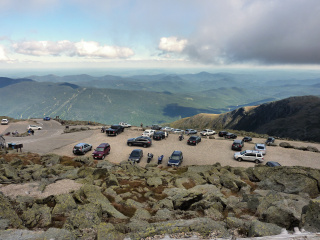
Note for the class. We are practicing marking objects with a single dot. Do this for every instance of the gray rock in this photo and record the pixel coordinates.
(106, 231)
(141, 214)
(64, 204)
(182, 182)
(58, 234)
(311, 216)
(7, 213)
(154, 181)
(38, 215)
(181, 198)
(50, 159)
(163, 214)
(112, 180)
(260, 229)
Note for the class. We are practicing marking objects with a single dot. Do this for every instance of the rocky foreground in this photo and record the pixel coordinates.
(117, 201)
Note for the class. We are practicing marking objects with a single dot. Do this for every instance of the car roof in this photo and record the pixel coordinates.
(103, 144)
(237, 141)
(274, 163)
(176, 152)
(260, 144)
(136, 150)
(80, 144)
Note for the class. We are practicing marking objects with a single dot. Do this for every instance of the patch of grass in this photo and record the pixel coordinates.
(189, 184)
(125, 210)
(26, 158)
(68, 161)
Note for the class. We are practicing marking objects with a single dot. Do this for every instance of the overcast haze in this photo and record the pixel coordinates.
(164, 34)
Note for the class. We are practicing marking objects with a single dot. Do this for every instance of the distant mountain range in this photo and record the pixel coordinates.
(143, 98)
(295, 117)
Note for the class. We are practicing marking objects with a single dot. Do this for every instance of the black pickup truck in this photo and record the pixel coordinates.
(114, 130)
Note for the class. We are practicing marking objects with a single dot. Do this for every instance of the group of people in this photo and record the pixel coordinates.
(30, 131)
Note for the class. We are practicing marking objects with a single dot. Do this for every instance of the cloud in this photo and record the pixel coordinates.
(65, 47)
(259, 31)
(172, 44)
(3, 56)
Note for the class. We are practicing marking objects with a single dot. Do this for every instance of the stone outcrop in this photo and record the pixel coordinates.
(125, 200)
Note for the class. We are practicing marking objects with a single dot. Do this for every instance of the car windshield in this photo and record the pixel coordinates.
(100, 149)
(243, 152)
(175, 157)
(193, 138)
(135, 154)
(173, 160)
(260, 147)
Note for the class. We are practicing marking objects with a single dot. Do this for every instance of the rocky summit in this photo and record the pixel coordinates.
(118, 201)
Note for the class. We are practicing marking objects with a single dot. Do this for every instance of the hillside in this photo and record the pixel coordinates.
(294, 117)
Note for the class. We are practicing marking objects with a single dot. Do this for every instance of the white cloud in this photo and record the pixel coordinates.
(3, 55)
(65, 47)
(93, 49)
(172, 44)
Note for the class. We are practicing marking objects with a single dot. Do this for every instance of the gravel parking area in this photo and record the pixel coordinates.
(208, 151)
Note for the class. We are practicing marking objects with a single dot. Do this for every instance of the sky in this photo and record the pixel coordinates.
(48, 34)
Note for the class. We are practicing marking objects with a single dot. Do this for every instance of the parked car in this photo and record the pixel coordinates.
(177, 130)
(249, 155)
(82, 148)
(34, 127)
(237, 145)
(155, 127)
(270, 140)
(260, 147)
(4, 121)
(46, 119)
(167, 129)
(159, 135)
(125, 125)
(230, 136)
(101, 151)
(207, 132)
(247, 139)
(190, 131)
(194, 140)
(175, 159)
(140, 141)
(135, 156)
(273, 164)
(114, 130)
(148, 133)
(222, 133)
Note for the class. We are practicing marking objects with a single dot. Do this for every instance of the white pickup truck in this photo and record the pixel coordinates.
(207, 132)
(123, 124)
(148, 133)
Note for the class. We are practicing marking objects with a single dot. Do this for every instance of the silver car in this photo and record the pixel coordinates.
(249, 155)
(261, 147)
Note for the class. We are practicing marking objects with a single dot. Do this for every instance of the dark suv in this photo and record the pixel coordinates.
(82, 148)
(135, 156)
(155, 127)
(230, 136)
(101, 151)
(140, 141)
(159, 135)
(269, 141)
(194, 140)
(222, 133)
(175, 159)
(237, 145)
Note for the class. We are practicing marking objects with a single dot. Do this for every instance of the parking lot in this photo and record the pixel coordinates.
(209, 151)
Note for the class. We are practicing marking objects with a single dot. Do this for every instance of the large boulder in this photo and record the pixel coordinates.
(50, 159)
(85, 216)
(106, 231)
(64, 204)
(311, 216)
(204, 226)
(293, 180)
(37, 216)
(154, 181)
(260, 229)
(182, 198)
(8, 214)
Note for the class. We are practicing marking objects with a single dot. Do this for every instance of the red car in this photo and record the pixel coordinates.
(101, 151)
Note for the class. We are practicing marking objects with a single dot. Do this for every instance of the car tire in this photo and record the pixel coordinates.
(129, 144)
(144, 145)
(256, 161)
(102, 157)
(116, 134)
(239, 159)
